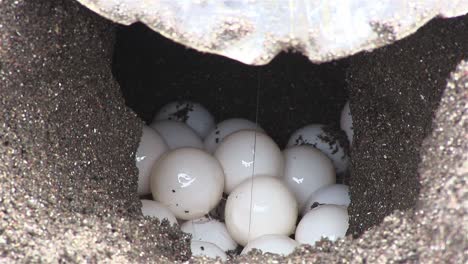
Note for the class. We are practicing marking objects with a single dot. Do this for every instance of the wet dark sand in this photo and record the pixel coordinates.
(67, 141)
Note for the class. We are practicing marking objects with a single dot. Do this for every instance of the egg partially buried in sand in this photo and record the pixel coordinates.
(157, 210)
(325, 221)
(188, 181)
(210, 230)
(260, 206)
(206, 249)
(277, 244)
(346, 123)
(337, 194)
(151, 147)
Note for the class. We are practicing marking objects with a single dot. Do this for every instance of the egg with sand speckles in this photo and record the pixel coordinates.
(206, 249)
(188, 181)
(210, 230)
(224, 129)
(337, 194)
(157, 210)
(193, 114)
(277, 244)
(327, 140)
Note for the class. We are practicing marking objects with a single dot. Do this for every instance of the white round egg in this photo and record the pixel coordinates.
(327, 221)
(238, 152)
(346, 122)
(193, 114)
(151, 147)
(177, 134)
(157, 210)
(188, 181)
(337, 194)
(210, 230)
(306, 170)
(206, 249)
(324, 139)
(224, 129)
(260, 206)
(277, 244)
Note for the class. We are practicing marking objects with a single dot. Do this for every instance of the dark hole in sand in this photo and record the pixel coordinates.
(292, 92)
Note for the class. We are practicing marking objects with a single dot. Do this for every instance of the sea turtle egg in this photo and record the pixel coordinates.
(193, 114)
(260, 206)
(306, 170)
(188, 181)
(224, 129)
(151, 147)
(322, 138)
(209, 230)
(346, 122)
(325, 221)
(277, 244)
(177, 134)
(337, 194)
(210, 250)
(156, 209)
(238, 152)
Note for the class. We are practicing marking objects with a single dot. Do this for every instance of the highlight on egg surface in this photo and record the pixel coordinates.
(306, 170)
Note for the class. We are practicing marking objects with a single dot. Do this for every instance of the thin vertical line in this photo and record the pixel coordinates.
(257, 109)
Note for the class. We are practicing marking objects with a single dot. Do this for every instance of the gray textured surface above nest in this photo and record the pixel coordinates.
(254, 32)
(67, 193)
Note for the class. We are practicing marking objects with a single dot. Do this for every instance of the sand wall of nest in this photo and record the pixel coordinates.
(67, 192)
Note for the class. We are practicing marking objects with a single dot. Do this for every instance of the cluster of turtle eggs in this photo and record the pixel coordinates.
(187, 163)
